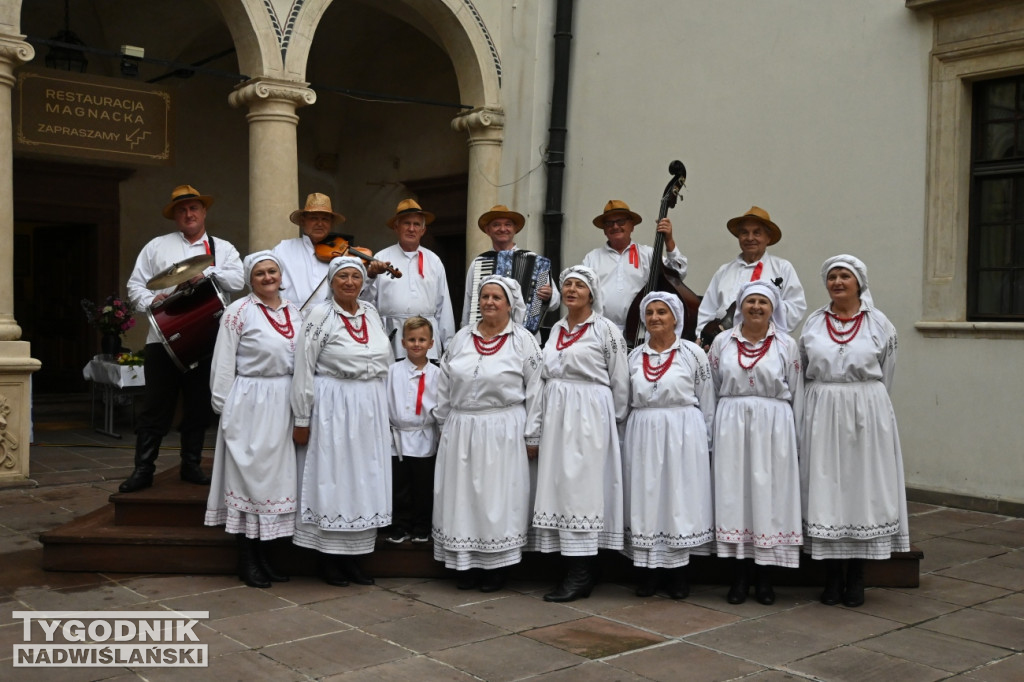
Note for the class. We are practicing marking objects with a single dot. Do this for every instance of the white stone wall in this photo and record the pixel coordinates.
(816, 111)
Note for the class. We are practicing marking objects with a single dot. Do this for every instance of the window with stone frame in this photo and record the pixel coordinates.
(995, 282)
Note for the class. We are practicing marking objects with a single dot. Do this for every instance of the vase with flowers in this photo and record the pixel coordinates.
(113, 318)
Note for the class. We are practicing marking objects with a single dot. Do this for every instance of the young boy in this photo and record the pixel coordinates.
(412, 395)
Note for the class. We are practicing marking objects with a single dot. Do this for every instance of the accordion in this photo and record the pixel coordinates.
(529, 269)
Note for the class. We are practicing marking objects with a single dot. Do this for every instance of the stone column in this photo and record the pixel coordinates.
(486, 130)
(273, 155)
(16, 363)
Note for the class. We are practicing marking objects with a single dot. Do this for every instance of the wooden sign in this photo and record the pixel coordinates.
(71, 114)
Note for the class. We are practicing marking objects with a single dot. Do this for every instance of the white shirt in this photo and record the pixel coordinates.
(301, 272)
(868, 356)
(553, 304)
(412, 435)
(725, 286)
(326, 348)
(621, 280)
(248, 345)
(413, 294)
(166, 250)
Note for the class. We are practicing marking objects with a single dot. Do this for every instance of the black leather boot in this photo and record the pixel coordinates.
(493, 580)
(833, 591)
(647, 584)
(330, 569)
(249, 570)
(853, 596)
(469, 579)
(678, 583)
(740, 582)
(351, 568)
(147, 449)
(268, 570)
(192, 457)
(578, 583)
(764, 593)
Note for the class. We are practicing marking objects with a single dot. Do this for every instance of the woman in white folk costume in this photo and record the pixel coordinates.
(669, 514)
(578, 508)
(758, 380)
(489, 406)
(339, 399)
(253, 490)
(851, 466)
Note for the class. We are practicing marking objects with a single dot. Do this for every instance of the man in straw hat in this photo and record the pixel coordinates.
(622, 265)
(502, 225)
(423, 289)
(755, 232)
(302, 274)
(164, 381)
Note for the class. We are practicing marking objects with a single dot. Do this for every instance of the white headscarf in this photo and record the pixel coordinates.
(252, 259)
(588, 277)
(854, 265)
(513, 292)
(342, 262)
(766, 289)
(673, 303)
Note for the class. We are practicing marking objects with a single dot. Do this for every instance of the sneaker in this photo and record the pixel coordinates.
(421, 536)
(397, 536)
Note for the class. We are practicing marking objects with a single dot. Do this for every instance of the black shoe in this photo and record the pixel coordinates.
(853, 596)
(351, 568)
(647, 585)
(191, 472)
(249, 570)
(763, 591)
(577, 584)
(678, 584)
(421, 536)
(331, 571)
(740, 583)
(139, 480)
(833, 592)
(268, 570)
(493, 580)
(469, 579)
(397, 536)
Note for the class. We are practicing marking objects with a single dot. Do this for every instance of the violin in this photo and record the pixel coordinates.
(334, 246)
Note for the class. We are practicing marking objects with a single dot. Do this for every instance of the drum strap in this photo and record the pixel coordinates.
(212, 248)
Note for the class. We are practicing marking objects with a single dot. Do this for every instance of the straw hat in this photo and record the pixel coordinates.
(408, 207)
(316, 203)
(501, 211)
(616, 206)
(760, 215)
(185, 193)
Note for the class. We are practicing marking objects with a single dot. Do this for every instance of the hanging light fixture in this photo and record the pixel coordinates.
(66, 58)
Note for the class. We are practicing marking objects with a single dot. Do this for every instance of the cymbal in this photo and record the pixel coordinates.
(181, 272)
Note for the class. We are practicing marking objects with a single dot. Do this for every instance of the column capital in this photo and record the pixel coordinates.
(260, 90)
(482, 119)
(15, 51)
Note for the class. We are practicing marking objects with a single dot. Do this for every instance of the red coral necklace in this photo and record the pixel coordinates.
(489, 347)
(653, 373)
(843, 336)
(361, 335)
(565, 339)
(286, 330)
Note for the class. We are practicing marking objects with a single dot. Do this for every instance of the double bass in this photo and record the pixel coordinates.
(660, 277)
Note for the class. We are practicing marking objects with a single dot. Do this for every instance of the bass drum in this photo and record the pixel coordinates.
(188, 321)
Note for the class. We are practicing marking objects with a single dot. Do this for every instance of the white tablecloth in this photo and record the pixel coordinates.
(103, 371)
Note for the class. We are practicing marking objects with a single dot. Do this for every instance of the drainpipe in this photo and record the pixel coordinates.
(556, 137)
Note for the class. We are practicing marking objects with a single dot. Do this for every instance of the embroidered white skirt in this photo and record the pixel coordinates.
(668, 479)
(851, 469)
(757, 481)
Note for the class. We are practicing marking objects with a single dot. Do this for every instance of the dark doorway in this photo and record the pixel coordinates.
(66, 248)
(446, 197)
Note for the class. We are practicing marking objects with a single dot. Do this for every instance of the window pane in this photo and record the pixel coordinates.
(995, 200)
(998, 141)
(991, 285)
(1000, 100)
(993, 251)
